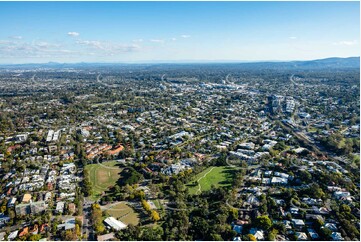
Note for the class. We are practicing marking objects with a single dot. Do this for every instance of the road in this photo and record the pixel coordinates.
(293, 82)
(12, 228)
(102, 83)
(306, 141)
(227, 81)
(87, 228)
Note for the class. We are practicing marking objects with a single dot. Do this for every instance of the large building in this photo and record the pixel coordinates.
(115, 224)
(30, 208)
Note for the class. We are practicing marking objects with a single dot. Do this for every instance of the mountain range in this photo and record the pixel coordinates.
(334, 62)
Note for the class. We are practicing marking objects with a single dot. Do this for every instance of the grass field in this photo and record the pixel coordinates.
(215, 175)
(157, 203)
(312, 130)
(103, 176)
(124, 213)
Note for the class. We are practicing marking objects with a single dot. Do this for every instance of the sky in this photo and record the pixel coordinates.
(38, 32)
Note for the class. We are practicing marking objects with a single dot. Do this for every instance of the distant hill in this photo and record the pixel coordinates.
(328, 63)
(351, 62)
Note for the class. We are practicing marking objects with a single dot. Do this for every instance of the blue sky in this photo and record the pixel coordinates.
(33, 32)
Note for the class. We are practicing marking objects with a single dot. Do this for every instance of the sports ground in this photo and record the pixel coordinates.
(122, 212)
(102, 177)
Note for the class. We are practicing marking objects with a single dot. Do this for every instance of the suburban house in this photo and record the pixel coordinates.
(257, 233)
(105, 237)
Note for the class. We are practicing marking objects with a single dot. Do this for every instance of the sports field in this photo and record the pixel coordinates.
(103, 176)
(123, 212)
(215, 175)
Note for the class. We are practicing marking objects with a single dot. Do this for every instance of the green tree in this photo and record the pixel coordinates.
(325, 233)
(34, 237)
(272, 235)
(263, 222)
(345, 208)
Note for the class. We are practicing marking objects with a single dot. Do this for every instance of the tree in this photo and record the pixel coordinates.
(280, 227)
(117, 189)
(345, 208)
(146, 205)
(216, 237)
(233, 213)
(77, 230)
(3, 209)
(70, 235)
(263, 222)
(97, 220)
(251, 237)
(325, 233)
(272, 235)
(99, 228)
(34, 237)
(305, 176)
(155, 216)
(152, 233)
(130, 176)
(199, 228)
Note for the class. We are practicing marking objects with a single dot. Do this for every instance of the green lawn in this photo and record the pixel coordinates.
(124, 213)
(312, 130)
(157, 203)
(102, 177)
(215, 175)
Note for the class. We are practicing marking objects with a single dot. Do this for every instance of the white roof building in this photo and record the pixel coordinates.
(298, 222)
(2, 236)
(301, 236)
(50, 135)
(279, 180)
(248, 146)
(13, 235)
(331, 226)
(60, 207)
(115, 224)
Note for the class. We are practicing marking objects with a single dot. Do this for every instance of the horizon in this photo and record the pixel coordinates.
(182, 61)
(143, 32)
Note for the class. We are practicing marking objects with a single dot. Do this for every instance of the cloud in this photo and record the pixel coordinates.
(5, 42)
(15, 49)
(173, 39)
(292, 37)
(138, 40)
(42, 49)
(16, 37)
(346, 42)
(157, 40)
(91, 43)
(73, 34)
(185, 36)
(46, 45)
(108, 48)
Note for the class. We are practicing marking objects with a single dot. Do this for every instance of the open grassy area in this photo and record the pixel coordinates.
(124, 213)
(103, 176)
(312, 130)
(216, 175)
(157, 203)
